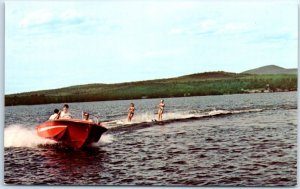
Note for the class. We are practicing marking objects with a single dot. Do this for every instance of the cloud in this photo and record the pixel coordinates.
(176, 31)
(36, 18)
(206, 26)
(235, 28)
(210, 26)
(271, 37)
(45, 21)
(163, 53)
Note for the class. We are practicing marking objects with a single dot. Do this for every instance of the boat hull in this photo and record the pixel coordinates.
(71, 132)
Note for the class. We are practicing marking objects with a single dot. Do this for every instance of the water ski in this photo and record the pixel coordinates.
(158, 122)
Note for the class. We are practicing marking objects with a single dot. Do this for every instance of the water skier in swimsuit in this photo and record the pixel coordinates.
(161, 107)
(130, 112)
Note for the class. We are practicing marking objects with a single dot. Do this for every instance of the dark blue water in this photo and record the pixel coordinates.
(236, 148)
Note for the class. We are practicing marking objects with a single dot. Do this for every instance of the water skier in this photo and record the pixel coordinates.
(161, 107)
(130, 112)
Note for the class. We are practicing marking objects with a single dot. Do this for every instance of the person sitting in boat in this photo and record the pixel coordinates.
(161, 107)
(130, 112)
(86, 117)
(55, 115)
(65, 114)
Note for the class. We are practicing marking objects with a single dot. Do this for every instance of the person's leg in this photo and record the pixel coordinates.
(128, 118)
(159, 113)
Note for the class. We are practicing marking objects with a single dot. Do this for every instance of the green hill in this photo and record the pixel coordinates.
(271, 69)
(208, 83)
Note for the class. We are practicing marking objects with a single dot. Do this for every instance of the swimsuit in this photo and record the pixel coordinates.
(131, 111)
(161, 109)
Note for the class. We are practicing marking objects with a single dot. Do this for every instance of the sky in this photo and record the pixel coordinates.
(58, 44)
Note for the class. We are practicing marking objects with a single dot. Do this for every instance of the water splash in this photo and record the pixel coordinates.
(105, 139)
(150, 117)
(218, 112)
(18, 135)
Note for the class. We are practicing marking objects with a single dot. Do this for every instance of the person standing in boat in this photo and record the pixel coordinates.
(161, 107)
(65, 114)
(130, 112)
(55, 115)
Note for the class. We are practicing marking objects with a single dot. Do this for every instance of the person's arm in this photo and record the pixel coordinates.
(50, 118)
(58, 115)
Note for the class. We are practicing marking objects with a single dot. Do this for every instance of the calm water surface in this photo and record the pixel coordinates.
(238, 148)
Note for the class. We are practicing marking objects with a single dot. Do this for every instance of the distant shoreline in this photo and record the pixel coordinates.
(153, 98)
(203, 84)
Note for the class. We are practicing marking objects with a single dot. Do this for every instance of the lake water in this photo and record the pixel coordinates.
(228, 140)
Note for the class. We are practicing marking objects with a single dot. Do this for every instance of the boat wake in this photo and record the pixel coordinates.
(104, 140)
(148, 119)
(18, 135)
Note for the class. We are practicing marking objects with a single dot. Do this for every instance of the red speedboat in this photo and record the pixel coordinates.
(71, 132)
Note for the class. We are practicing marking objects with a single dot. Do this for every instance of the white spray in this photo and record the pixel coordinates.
(20, 136)
(105, 139)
